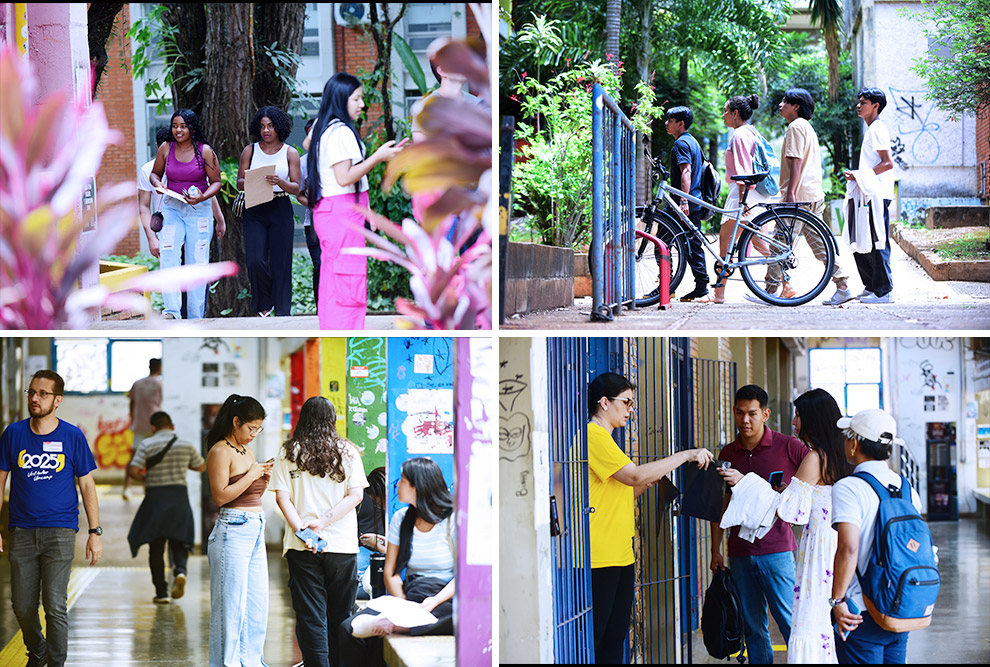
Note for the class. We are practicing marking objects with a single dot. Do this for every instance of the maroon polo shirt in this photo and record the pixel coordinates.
(776, 451)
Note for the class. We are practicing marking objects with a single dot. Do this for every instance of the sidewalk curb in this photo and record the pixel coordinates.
(977, 270)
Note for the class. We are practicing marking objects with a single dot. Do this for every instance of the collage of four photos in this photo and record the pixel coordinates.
(251, 305)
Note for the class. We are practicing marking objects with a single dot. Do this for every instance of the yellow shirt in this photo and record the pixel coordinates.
(612, 525)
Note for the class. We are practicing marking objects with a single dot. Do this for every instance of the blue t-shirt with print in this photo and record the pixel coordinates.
(686, 151)
(43, 471)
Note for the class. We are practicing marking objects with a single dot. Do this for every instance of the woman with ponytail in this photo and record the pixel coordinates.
(318, 481)
(192, 170)
(337, 180)
(739, 160)
(421, 539)
(238, 561)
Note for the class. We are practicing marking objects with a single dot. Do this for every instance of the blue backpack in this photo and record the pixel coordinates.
(766, 160)
(901, 580)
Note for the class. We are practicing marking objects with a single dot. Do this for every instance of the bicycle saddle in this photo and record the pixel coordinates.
(750, 179)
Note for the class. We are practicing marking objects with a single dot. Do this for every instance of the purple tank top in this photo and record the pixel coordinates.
(183, 174)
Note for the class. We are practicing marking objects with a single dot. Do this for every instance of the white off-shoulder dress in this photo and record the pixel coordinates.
(810, 506)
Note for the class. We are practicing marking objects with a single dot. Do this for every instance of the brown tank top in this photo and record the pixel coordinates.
(251, 498)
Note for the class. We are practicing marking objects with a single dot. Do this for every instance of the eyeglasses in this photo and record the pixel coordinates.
(31, 393)
(255, 430)
(628, 401)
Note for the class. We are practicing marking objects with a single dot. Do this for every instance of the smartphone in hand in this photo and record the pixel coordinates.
(776, 478)
(311, 535)
(853, 609)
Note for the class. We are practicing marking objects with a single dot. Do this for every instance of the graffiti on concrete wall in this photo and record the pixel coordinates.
(514, 429)
(930, 343)
(928, 376)
(113, 441)
(914, 123)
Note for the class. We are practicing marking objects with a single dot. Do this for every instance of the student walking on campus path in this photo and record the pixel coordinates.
(268, 227)
(193, 171)
(868, 195)
(614, 482)
(337, 177)
(45, 458)
(165, 515)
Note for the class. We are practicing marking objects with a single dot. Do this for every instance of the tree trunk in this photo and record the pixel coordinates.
(838, 137)
(190, 36)
(278, 23)
(613, 20)
(101, 18)
(381, 31)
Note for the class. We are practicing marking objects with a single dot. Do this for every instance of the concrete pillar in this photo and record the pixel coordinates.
(474, 458)
(58, 48)
(525, 590)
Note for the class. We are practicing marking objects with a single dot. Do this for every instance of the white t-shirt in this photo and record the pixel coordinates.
(877, 138)
(338, 144)
(144, 183)
(854, 501)
(432, 553)
(313, 496)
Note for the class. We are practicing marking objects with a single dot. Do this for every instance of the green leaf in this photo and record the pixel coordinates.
(411, 62)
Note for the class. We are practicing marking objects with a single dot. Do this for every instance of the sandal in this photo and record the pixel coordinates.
(168, 316)
(267, 313)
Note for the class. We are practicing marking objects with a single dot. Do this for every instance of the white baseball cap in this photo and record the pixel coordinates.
(874, 424)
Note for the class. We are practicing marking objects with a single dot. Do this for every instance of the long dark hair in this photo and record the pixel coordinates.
(195, 133)
(819, 412)
(315, 445)
(378, 490)
(433, 501)
(333, 107)
(606, 385)
(244, 408)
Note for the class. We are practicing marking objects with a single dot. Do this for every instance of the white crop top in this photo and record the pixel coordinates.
(280, 160)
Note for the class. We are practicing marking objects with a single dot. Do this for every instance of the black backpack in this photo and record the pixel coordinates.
(721, 618)
(711, 187)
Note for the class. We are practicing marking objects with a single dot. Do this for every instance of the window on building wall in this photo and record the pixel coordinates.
(424, 23)
(101, 365)
(311, 32)
(853, 376)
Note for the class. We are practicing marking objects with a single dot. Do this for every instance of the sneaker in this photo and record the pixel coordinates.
(873, 298)
(864, 293)
(840, 297)
(125, 496)
(699, 291)
(162, 599)
(179, 587)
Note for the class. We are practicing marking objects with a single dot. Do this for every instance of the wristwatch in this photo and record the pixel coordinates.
(96, 531)
(833, 602)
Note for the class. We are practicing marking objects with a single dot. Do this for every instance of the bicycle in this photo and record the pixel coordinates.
(768, 261)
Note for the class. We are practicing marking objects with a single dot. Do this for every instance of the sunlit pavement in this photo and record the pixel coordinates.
(919, 303)
(295, 322)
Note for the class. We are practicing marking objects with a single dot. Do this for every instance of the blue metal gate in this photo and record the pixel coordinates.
(613, 207)
(567, 360)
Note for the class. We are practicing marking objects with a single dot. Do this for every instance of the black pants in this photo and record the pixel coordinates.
(322, 587)
(268, 230)
(313, 245)
(874, 266)
(696, 253)
(358, 652)
(611, 598)
(156, 559)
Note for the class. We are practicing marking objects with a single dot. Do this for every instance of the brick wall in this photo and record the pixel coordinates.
(116, 95)
(354, 50)
(983, 155)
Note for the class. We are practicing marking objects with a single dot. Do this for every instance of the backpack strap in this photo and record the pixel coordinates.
(157, 458)
(880, 489)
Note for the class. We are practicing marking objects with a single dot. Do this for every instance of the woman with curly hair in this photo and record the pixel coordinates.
(318, 481)
(193, 170)
(268, 227)
(421, 539)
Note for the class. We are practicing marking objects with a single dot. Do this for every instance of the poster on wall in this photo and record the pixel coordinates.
(333, 378)
(420, 406)
(367, 414)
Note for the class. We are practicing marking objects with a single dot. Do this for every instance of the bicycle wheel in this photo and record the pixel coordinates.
(647, 269)
(793, 254)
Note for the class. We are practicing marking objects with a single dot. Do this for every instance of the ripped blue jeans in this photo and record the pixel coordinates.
(238, 589)
(192, 226)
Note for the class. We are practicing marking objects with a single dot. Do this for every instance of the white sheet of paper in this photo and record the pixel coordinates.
(256, 189)
(404, 613)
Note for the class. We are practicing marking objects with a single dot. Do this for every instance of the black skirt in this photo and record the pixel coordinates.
(164, 512)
